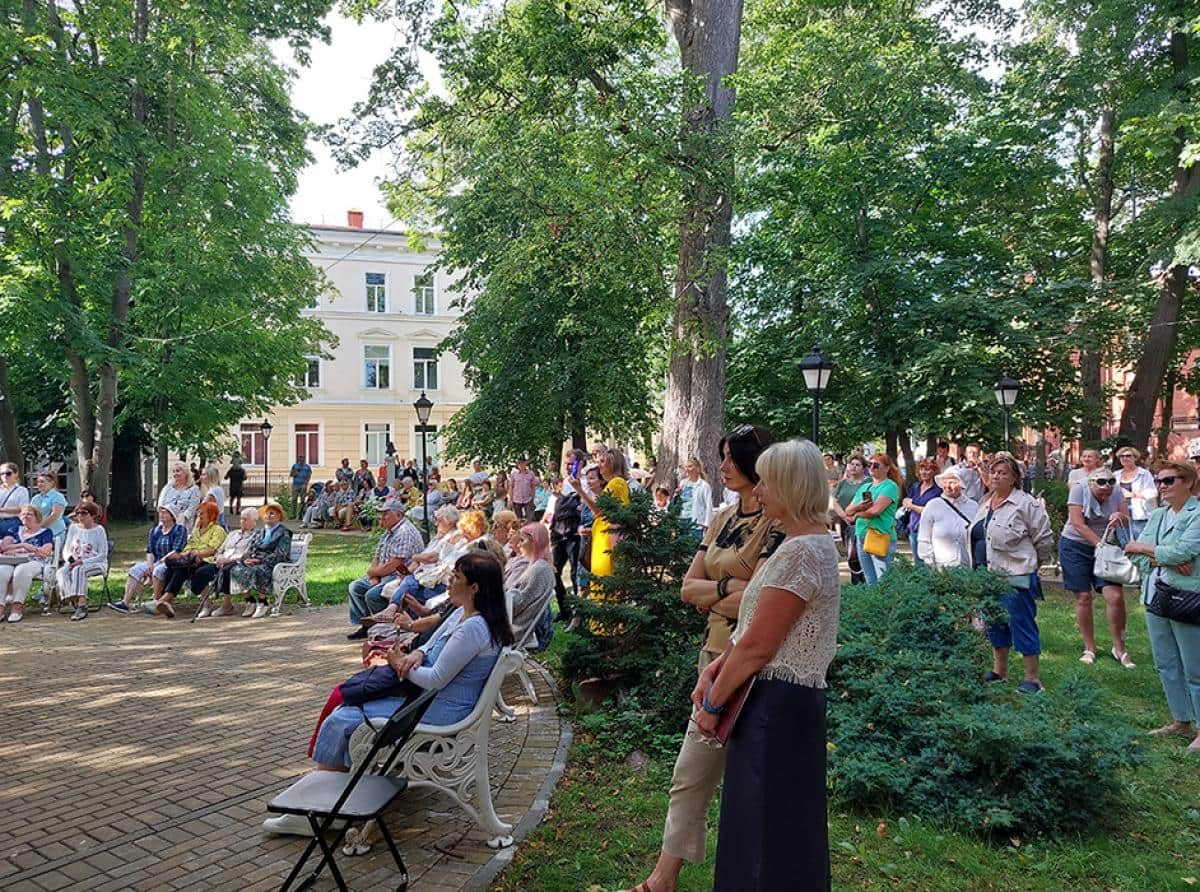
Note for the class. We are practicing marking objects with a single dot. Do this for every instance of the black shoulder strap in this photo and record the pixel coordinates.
(950, 505)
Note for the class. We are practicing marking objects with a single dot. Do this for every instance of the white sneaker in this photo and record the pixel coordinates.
(221, 611)
(261, 610)
(293, 825)
(249, 611)
(205, 612)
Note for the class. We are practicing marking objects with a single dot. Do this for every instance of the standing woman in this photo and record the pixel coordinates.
(921, 494)
(1137, 485)
(773, 832)
(843, 498)
(1091, 508)
(213, 492)
(946, 519)
(1168, 553)
(737, 542)
(1011, 535)
(612, 472)
(874, 508)
(696, 497)
(236, 475)
(13, 497)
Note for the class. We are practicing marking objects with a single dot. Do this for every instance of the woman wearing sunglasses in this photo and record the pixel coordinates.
(1092, 508)
(1137, 485)
(874, 509)
(1168, 553)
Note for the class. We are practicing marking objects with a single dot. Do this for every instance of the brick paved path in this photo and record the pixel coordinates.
(139, 753)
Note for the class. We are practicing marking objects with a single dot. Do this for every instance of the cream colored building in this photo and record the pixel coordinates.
(389, 311)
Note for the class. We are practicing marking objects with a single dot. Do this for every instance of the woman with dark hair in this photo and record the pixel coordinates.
(738, 540)
(612, 470)
(920, 494)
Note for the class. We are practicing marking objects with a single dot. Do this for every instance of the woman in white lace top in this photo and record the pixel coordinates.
(773, 832)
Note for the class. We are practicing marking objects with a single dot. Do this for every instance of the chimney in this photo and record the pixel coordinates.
(354, 218)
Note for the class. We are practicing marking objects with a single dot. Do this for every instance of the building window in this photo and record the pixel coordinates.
(424, 295)
(377, 367)
(312, 373)
(254, 447)
(376, 436)
(308, 443)
(431, 444)
(376, 293)
(425, 368)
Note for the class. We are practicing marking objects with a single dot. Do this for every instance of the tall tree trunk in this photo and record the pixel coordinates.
(1168, 410)
(709, 34)
(1137, 419)
(126, 501)
(1090, 357)
(106, 396)
(910, 460)
(10, 437)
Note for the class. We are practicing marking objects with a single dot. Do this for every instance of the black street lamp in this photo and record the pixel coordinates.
(1006, 390)
(424, 405)
(265, 429)
(816, 369)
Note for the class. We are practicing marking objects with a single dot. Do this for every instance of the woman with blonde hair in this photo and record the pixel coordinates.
(1137, 486)
(180, 496)
(773, 831)
(695, 496)
(212, 491)
(874, 511)
(613, 472)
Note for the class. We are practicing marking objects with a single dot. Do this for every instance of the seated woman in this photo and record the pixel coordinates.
(201, 545)
(34, 542)
(504, 523)
(270, 545)
(218, 573)
(455, 662)
(322, 507)
(166, 537)
(533, 588)
(85, 553)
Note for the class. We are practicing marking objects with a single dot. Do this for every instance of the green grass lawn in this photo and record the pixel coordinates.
(605, 820)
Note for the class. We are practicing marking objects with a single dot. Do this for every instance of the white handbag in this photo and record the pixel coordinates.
(1112, 564)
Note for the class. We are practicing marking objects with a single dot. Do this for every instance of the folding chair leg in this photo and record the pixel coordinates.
(287, 884)
(391, 844)
(204, 598)
(327, 857)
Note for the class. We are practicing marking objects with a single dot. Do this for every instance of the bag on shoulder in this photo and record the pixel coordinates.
(877, 543)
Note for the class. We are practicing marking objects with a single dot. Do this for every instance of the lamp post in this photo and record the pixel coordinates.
(1006, 390)
(816, 369)
(424, 405)
(265, 428)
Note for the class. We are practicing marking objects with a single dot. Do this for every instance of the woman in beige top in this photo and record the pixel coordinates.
(736, 542)
(773, 833)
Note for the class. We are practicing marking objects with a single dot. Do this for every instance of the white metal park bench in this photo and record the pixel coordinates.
(451, 758)
(291, 574)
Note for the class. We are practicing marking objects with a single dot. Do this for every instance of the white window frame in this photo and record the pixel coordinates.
(375, 462)
(320, 433)
(252, 428)
(437, 368)
(390, 365)
(432, 441)
(367, 293)
(306, 380)
(432, 294)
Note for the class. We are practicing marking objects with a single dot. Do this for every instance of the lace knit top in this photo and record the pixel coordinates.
(807, 566)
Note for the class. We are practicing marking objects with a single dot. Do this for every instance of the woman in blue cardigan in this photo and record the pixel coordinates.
(1168, 550)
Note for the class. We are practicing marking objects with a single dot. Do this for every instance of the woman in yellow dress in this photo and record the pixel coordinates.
(612, 470)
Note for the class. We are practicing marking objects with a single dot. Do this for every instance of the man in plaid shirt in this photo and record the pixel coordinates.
(400, 541)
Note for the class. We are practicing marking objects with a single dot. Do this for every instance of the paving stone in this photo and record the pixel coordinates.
(174, 757)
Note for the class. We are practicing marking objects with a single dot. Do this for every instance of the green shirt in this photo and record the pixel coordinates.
(885, 522)
(845, 490)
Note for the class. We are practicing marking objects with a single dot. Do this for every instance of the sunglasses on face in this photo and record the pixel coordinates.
(1104, 481)
(1166, 481)
(874, 466)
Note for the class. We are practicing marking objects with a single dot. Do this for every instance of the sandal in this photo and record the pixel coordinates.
(1089, 657)
(992, 676)
(1183, 729)
(1123, 659)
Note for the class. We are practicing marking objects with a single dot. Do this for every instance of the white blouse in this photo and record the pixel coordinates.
(806, 566)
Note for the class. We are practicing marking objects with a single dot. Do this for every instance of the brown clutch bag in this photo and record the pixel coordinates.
(733, 708)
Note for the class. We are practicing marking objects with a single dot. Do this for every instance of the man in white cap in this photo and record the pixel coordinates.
(399, 542)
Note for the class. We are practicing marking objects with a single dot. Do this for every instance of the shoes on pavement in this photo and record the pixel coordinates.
(251, 606)
(294, 825)
(165, 608)
(360, 632)
(16, 616)
(263, 609)
(81, 612)
(205, 612)
(221, 611)
(119, 606)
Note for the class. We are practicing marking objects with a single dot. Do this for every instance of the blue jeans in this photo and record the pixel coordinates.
(1176, 650)
(1021, 630)
(874, 567)
(366, 598)
(409, 586)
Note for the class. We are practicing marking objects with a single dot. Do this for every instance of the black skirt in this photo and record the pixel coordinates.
(774, 834)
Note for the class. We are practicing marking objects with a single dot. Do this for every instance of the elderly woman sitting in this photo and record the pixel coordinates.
(201, 545)
(168, 536)
(270, 545)
(84, 553)
(456, 662)
(33, 542)
(218, 573)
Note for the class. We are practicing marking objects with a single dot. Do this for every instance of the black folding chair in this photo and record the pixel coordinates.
(328, 796)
